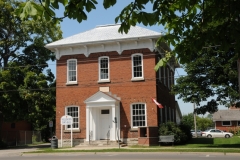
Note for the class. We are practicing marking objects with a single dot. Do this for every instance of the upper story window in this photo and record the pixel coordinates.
(159, 72)
(138, 115)
(103, 69)
(137, 67)
(164, 75)
(72, 71)
(74, 112)
(168, 78)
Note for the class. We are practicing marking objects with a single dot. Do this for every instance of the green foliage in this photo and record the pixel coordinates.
(203, 34)
(27, 86)
(201, 122)
(3, 145)
(181, 132)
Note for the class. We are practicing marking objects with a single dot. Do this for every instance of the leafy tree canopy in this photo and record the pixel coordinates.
(194, 28)
(27, 86)
(201, 122)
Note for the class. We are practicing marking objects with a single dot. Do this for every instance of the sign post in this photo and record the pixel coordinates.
(66, 120)
(51, 125)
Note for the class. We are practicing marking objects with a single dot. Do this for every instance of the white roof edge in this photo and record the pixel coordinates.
(104, 41)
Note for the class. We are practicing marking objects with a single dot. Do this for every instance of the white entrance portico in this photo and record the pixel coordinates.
(102, 111)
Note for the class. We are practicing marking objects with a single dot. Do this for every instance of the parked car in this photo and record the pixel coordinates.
(199, 133)
(216, 133)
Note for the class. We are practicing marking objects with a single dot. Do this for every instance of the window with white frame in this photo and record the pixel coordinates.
(137, 67)
(103, 69)
(74, 112)
(138, 115)
(226, 123)
(72, 71)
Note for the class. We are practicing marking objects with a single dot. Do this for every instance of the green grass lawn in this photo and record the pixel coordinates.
(220, 145)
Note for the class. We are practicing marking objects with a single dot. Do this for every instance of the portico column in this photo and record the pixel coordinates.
(87, 123)
(114, 118)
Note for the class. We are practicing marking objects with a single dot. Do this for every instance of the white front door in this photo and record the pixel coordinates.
(104, 124)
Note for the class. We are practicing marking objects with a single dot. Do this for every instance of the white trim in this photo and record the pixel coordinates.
(66, 113)
(137, 78)
(101, 46)
(227, 121)
(68, 81)
(131, 105)
(99, 70)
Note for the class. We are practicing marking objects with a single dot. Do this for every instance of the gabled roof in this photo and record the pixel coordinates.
(102, 97)
(227, 115)
(105, 33)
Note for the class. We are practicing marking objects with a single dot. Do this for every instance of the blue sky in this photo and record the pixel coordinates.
(100, 16)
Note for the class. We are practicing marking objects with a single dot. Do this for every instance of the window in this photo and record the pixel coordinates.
(73, 111)
(72, 71)
(169, 113)
(168, 78)
(238, 123)
(164, 76)
(172, 78)
(159, 72)
(165, 113)
(103, 69)
(161, 115)
(138, 112)
(137, 67)
(226, 123)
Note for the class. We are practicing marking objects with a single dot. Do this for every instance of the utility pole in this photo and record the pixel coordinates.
(195, 123)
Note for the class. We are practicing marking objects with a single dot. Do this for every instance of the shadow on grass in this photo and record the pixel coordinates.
(44, 145)
(215, 142)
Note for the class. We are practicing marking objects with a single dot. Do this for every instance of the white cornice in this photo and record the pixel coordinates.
(118, 46)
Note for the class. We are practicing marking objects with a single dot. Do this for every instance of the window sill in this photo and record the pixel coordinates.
(71, 83)
(104, 81)
(74, 131)
(133, 129)
(137, 79)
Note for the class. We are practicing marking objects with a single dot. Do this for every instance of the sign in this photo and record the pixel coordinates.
(50, 123)
(66, 120)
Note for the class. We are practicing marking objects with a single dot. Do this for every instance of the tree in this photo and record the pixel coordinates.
(27, 86)
(214, 74)
(193, 27)
(201, 122)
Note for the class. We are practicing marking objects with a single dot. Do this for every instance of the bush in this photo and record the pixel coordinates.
(3, 144)
(182, 133)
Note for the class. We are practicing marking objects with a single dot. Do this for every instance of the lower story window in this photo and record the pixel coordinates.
(138, 112)
(226, 123)
(73, 111)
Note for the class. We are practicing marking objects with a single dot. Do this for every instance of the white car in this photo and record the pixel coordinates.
(199, 133)
(216, 133)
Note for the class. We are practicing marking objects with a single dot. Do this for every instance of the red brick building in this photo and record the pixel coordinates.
(105, 81)
(227, 120)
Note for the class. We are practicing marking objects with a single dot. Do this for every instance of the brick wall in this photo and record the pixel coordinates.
(121, 85)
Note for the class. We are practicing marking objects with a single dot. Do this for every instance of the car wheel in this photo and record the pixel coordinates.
(227, 136)
(209, 136)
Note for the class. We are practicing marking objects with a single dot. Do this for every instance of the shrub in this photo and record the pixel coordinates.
(3, 144)
(181, 132)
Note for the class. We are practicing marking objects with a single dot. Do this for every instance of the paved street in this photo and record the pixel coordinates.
(19, 154)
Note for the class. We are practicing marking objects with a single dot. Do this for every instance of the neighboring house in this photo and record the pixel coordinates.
(105, 80)
(227, 120)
